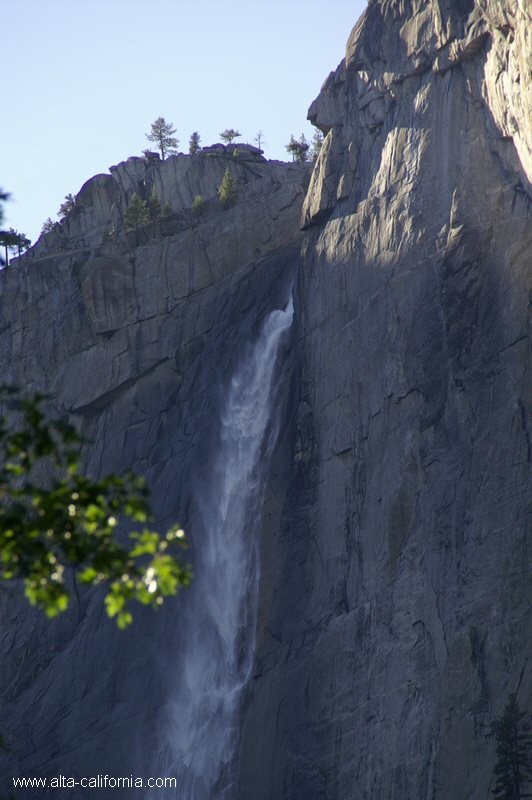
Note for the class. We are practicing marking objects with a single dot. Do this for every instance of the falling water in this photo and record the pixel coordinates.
(218, 637)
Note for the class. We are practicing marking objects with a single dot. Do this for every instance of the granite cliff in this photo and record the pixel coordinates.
(134, 338)
(395, 600)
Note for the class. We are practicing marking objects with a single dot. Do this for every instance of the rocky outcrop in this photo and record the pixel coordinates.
(131, 284)
(268, 187)
(400, 615)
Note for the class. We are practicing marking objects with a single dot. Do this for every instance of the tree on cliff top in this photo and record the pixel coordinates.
(67, 205)
(8, 239)
(259, 138)
(228, 191)
(513, 769)
(299, 149)
(22, 242)
(194, 143)
(12, 239)
(162, 134)
(48, 225)
(229, 134)
(52, 516)
(3, 197)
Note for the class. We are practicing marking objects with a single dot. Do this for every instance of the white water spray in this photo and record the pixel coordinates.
(218, 636)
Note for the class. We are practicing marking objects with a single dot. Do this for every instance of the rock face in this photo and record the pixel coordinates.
(400, 616)
(135, 339)
(395, 601)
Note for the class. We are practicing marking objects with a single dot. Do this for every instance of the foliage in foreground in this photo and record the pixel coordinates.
(52, 517)
(513, 769)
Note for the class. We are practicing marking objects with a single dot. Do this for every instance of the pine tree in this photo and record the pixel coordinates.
(161, 133)
(136, 213)
(198, 206)
(47, 225)
(299, 149)
(155, 210)
(228, 191)
(229, 134)
(8, 239)
(3, 197)
(18, 240)
(513, 769)
(194, 144)
(23, 243)
(68, 205)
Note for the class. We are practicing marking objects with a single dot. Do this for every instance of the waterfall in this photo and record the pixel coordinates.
(220, 616)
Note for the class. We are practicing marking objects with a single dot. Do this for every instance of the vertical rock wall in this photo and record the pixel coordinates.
(399, 614)
(135, 339)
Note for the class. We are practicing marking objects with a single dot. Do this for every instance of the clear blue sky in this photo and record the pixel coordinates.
(84, 79)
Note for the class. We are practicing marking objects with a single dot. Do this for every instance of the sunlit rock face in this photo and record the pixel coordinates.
(398, 613)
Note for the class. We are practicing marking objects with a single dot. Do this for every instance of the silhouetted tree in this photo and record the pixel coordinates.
(259, 138)
(229, 134)
(194, 144)
(299, 149)
(8, 239)
(47, 225)
(3, 197)
(161, 134)
(68, 205)
(513, 769)
(22, 242)
(12, 239)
